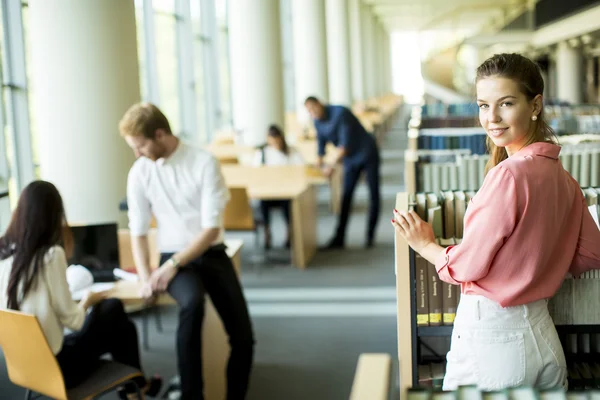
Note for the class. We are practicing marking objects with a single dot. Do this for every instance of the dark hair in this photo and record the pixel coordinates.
(312, 99)
(276, 132)
(528, 77)
(37, 224)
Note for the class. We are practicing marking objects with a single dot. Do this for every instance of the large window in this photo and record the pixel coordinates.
(16, 158)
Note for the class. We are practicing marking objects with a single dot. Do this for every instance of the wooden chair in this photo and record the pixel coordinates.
(238, 214)
(32, 365)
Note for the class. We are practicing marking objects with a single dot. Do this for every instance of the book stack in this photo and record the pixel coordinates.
(570, 120)
(436, 300)
(571, 305)
(583, 163)
(466, 173)
(438, 138)
(443, 110)
(519, 393)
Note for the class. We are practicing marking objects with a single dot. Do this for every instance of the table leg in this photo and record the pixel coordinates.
(304, 227)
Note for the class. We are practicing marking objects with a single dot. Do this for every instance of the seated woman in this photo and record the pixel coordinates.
(276, 152)
(33, 279)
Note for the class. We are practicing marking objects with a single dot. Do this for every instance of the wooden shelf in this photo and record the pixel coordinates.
(445, 330)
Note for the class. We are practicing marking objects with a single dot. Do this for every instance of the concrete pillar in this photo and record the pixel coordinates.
(356, 51)
(368, 49)
(569, 68)
(85, 72)
(338, 52)
(310, 52)
(256, 68)
(387, 60)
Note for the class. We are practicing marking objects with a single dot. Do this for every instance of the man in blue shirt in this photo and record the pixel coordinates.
(358, 151)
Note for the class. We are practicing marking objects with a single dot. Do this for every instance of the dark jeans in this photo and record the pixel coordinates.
(267, 205)
(211, 273)
(107, 329)
(352, 173)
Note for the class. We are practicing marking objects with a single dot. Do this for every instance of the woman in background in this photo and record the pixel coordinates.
(276, 152)
(33, 280)
(524, 231)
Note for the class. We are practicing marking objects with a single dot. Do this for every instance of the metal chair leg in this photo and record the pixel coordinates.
(158, 319)
(28, 394)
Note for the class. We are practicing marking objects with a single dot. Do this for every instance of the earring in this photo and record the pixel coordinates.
(534, 118)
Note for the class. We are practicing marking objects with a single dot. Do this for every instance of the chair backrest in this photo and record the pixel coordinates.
(238, 215)
(29, 360)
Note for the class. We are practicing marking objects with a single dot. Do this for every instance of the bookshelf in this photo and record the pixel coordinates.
(579, 334)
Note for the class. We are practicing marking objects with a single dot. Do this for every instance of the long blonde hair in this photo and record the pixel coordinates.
(528, 77)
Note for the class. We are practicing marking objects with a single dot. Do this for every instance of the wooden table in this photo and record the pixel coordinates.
(215, 346)
(283, 183)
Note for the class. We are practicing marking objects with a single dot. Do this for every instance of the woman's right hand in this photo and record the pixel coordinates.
(92, 298)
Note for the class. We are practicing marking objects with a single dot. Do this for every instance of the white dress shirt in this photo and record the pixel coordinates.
(185, 192)
(49, 299)
(274, 156)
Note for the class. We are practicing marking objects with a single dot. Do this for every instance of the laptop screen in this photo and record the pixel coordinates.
(96, 247)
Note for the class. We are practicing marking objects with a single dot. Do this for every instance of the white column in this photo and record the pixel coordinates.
(569, 69)
(368, 50)
(85, 72)
(338, 52)
(310, 51)
(256, 70)
(356, 51)
(387, 63)
(379, 58)
(287, 53)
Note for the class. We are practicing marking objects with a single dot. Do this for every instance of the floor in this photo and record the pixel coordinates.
(310, 325)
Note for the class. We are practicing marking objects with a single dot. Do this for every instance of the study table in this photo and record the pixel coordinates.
(283, 183)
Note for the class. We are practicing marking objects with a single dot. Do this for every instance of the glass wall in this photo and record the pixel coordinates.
(184, 69)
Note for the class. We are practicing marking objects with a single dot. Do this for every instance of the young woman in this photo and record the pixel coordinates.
(524, 231)
(276, 152)
(33, 280)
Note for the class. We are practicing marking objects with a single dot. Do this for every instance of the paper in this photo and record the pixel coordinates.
(96, 287)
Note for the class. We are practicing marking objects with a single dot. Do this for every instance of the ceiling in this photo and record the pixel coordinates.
(445, 23)
(447, 15)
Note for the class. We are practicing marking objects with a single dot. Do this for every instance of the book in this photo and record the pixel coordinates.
(460, 206)
(449, 217)
(435, 296)
(584, 169)
(422, 289)
(449, 293)
(422, 205)
(595, 169)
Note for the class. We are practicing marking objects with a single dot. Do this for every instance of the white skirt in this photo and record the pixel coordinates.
(497, 348)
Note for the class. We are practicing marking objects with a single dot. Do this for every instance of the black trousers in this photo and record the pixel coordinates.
(107, 329)
(211, 273)
(267, 205)
(352, 172)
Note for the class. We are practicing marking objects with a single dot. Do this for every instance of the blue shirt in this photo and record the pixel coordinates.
(343, 129)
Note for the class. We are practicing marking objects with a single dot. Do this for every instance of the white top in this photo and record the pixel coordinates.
(49, 298)
(275, 157)
(186, 193)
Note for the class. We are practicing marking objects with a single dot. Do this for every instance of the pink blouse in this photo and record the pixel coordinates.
(526, 228)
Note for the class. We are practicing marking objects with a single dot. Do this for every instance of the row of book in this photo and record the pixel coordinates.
(444, 110)
(583, 163)
(476, 141)
(465, 173)
(519, 393)
(449, 122)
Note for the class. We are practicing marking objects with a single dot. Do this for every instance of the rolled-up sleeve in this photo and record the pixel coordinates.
(490, 219)
(215, 195)
(139, 210)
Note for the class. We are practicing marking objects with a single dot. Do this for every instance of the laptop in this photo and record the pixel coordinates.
(96, 247)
